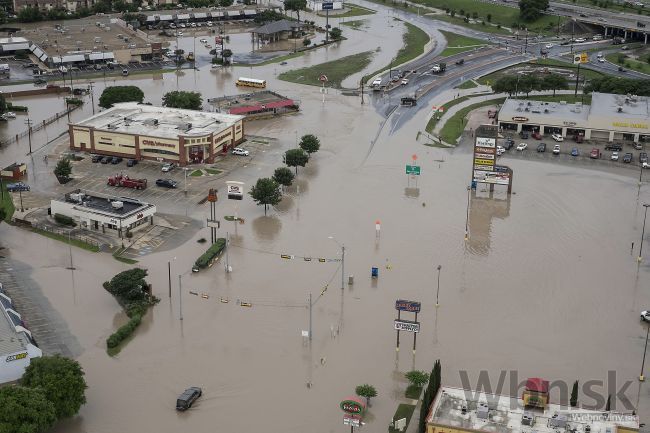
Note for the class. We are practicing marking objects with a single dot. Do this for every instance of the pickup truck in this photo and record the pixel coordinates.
(438, 68)
(127, 182)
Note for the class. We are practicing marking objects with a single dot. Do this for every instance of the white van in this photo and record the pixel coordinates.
(376, 83)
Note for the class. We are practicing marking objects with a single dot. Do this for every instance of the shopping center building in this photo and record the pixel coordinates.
(609, 118)
(141, 131)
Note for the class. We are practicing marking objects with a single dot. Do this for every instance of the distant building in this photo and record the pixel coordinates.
(457, 410)
(277, 31)
(94, 212)
(142, 131)
(610, 117)
(17, 346)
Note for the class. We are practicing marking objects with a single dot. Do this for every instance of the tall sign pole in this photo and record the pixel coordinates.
(407, 325)
(323, 79)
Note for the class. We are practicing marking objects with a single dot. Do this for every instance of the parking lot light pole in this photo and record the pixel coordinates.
(169, 275)
(438, 291)
(180, 297)
(641, 376)
(640, 173)
(342, 261)
(645, 215)
(469, 188)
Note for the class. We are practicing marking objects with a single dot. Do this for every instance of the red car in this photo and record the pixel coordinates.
(595, 153)
(537, 135)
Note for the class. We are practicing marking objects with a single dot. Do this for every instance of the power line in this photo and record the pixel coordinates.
(289, 256)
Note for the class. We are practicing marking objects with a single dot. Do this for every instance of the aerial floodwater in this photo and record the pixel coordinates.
(544, 285)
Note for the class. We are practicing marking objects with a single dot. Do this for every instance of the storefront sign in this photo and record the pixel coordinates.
(483, 162)
(483, 167)
(235, 190)
(630, 125)
(16, 357)
(353, 406)
(490, 150)
(565, 123)
(484, 155)
(519, 119)
(410, 306)
(407, 325)
(157, 143)
(485, 142)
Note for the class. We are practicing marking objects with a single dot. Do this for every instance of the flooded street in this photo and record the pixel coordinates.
(545, 285)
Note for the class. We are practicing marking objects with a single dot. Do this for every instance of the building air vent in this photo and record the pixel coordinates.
(558, 420)
(528, 419)
(117, 204)
(111, 126)
(482, 411)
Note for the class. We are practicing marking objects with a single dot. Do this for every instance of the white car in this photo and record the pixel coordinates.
(645, 165)
(500, 150)
(645, 316)
(548, 46)
(240, 151)
(557, 137)
(579, 40)
(522, 146)
(600, 55)
(601, 60)
(179, 33)
(614, 156)
(203, 40)
(168, 167)
(405, 82)
(556, 149)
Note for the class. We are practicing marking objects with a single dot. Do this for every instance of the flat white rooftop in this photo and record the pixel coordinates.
(142, 119)
(14, 40)
(505, 414)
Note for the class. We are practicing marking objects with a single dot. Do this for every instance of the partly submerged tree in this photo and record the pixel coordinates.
(283, 176)
(366, 391)
(296, 158)
(266, 191)
(25, 410)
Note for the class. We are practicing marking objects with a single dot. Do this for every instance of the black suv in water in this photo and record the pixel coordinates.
(187, 398)
(627, 158)
(166, 183)
(615, 147)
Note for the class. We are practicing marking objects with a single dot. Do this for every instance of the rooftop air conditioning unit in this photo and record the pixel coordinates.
(528, 419)
(482, 411)
(117, 205)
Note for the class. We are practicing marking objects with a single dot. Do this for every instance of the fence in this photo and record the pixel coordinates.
(39, 125)
(67, 234)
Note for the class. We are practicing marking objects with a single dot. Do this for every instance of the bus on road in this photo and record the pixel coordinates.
(251, 82)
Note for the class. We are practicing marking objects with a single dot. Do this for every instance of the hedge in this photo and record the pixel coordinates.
(207, 258)
(64, 219)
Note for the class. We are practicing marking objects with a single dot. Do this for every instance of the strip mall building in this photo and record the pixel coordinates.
(609, 117)
(141, 131)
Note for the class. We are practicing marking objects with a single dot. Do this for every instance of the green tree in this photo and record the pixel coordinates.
(296, 6)
(488, 17)
(296, 158)
(336, 33)
(366, 391)
(61, 380)
(3, 103)
(225, 3)
(429, 394)
(115, 94)
(573, 401)
(554, 82)
(266, 191)
(63, 168)
(531, 10)
(528, 83)
(283, 176)
(29, 14)
(506, 84)
(128, 285)
(417, 378)
(267, 16)
(25, 410)
(226, 55)
(309, 143)
(183, 99)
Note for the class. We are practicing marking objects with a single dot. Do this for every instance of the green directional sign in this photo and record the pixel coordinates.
(413, 169)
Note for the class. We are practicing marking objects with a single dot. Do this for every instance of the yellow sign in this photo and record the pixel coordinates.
(630, 125)
(580, 58)
(483, 162)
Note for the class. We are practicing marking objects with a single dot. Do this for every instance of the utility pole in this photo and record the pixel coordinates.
(180, 297)
(310, 306)
(641, 376)
(28, 122)
(327, 25)
(575, 93)
(70, 249)
(169, 277)
(645, 215)
(227, 248)
(438, 291)
(361, 90)
(92, 94)
(342, 267)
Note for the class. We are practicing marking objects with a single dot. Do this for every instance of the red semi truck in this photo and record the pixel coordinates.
(127, 182)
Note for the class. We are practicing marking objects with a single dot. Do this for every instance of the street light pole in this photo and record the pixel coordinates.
(438, 291)
(180, 297)
(469, 188)
(342, 261)
(645, 215)
(310, 307)
(641, 376)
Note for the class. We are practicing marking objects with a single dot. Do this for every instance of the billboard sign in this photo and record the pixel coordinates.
(409, 306)
(484, 154)
(351, 420)
(495, 177)
(353, 406)
(328, 6)
(235, 190)
(407, 325)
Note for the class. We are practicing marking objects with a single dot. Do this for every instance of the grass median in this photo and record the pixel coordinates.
(414, 41)
(434, 119)
(629, 63)
(6, 205)
(336, 70)
(459, 43)
(541, 64)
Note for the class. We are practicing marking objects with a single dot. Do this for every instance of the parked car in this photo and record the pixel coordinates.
(522, 146)
(240, 151)
(549, 46)
(541, 147)
(614, 156)
(460, 61)
(595, 153)
(612, 146)
(168, 167)
(627, 158)
(17, 186)
(643, 157)
(524, 135)
(116, 160)
(166, 183)
(96, 158)
(575, 152)
(500, 150)
(509, 142)
(187, 398)
(556, 149)
(638, 146)
(131, 162)
(106, 160)
(557, 137)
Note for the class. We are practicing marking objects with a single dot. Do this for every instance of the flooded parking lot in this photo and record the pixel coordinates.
(546, 284)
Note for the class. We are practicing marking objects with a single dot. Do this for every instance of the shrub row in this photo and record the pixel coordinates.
(206, 258)
(64, 219)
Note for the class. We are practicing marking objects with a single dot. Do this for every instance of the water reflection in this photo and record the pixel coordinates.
(266, 227)
(484, 207)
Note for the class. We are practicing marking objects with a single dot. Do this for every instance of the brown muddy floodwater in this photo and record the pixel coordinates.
(545, 286)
